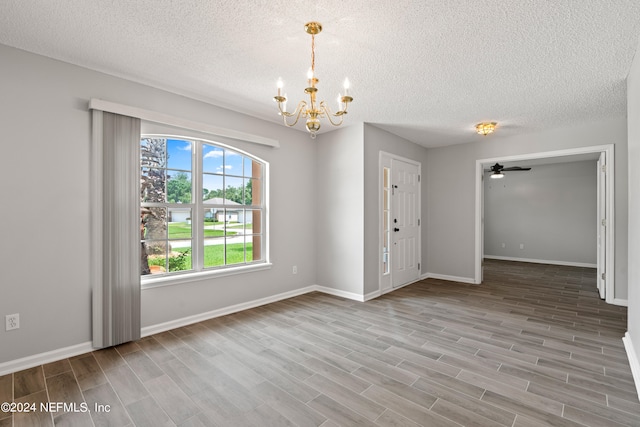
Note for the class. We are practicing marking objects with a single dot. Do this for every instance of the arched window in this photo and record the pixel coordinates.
(202, 207)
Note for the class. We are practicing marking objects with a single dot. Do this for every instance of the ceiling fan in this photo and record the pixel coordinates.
(497, 170)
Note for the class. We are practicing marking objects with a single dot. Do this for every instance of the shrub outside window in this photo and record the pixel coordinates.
(201, 207)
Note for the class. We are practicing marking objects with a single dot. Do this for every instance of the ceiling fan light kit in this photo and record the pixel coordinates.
(313, 111)
(485, 128)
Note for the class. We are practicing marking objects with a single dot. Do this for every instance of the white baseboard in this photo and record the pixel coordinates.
(622, 302)
(339, 293)
(408, 283)
(178, 323)
(46, 357)
(633, 361)
(450, 278)
(542, 261)
(372, 295)
(376, 294)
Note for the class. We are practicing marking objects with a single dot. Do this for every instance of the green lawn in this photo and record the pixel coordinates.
(179, 230)
(213, 257)
(214, 254)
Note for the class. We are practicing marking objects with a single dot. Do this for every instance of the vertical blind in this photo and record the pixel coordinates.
(115, 228)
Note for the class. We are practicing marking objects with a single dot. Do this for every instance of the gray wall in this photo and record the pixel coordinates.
(451, 196)
(551, 210)
(633, 114)
(44, 223)
(376, 140)
(340, 209)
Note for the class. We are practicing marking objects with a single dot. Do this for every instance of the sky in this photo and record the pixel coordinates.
(214, 158)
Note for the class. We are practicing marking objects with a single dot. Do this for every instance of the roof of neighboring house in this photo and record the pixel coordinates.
(221, 201)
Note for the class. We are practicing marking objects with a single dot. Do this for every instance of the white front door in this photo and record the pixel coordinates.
(405, 222)
(602, 225)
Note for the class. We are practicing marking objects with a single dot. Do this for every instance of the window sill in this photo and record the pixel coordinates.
(201, 275)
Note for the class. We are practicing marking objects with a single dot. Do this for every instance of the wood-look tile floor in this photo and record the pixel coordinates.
(532, 346)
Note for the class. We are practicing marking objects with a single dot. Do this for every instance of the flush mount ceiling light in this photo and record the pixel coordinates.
(485, 128)
(313, 112)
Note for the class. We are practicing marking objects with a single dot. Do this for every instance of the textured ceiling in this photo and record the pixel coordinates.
(426, 70)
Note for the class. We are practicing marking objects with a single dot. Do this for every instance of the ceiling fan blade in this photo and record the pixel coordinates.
(500, 168)
(516, 168)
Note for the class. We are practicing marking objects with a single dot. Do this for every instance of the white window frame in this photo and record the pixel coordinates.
(198, 271)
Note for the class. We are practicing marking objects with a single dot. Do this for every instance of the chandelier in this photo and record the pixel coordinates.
(313, 111)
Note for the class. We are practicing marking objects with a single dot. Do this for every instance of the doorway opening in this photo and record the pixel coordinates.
(605, 223)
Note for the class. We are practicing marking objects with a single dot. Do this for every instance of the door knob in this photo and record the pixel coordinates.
(396, 229)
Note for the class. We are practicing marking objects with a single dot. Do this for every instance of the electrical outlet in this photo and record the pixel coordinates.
(521, 245)
(12, 321)
(503, 245)
(295, 269)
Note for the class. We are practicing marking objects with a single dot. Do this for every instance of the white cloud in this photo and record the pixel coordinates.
(213, 154)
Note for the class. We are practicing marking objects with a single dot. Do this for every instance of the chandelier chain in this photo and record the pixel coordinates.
(313, 53)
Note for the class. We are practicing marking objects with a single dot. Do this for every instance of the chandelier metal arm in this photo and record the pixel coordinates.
(299, 111)
(327, 111)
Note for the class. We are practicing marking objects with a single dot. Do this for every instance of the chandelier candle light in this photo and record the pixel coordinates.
(313, 111)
